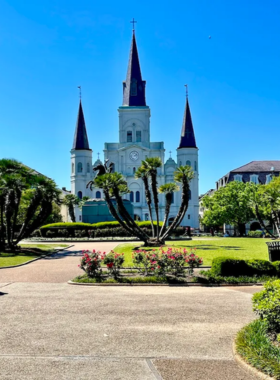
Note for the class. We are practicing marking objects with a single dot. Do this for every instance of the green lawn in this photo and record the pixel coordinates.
(10, 259)
(239, 248)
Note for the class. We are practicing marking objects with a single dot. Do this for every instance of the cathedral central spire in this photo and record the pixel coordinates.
(134, 86)
(80, 138)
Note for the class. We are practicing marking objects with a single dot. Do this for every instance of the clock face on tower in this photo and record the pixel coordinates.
(134, 155)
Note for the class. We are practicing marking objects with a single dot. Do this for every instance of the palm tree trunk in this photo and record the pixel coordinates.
(33, 206)
(16, 209)
(115, 214)
(2, 227)
(124, 213)
(182, 210)
(9, 205)
(155, 195)
(71, 212)
(168, 200)
(149, 202)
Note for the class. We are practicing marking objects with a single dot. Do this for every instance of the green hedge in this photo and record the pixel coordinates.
(96, 230)
(255, 234)
(223, 266)
(267, 305)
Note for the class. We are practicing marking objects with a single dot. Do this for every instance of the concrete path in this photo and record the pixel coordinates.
(52, 330)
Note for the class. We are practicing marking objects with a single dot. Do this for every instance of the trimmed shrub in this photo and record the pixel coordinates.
(255, 234)
(276, 265)
(36, 233)
(50, 234)
(267, 305)
(223, 266)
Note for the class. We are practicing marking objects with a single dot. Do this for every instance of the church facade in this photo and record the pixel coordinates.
(134, 145)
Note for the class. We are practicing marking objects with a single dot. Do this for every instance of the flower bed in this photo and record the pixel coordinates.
(167, 266)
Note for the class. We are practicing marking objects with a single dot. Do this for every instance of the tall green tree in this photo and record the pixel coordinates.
(15, 180)
(229, 205)
(168, 190)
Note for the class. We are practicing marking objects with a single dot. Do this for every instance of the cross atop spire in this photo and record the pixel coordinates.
(134, 86)
(133, 22)
(80, 138)
(187, 134)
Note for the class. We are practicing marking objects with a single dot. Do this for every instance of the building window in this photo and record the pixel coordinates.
(268, 179)
(254, 178)
(133, 88)
(180, 163)
(80, 218)
(134, 170)
(73, 168)
(80, 167)
(98, 195)
(172, 197)
(131, 197)
(129, 136)
(138, 136)
(188, 163)
(195, 165)
(238, 177)
(80, 194)
(189, 217)
(146, 217)
(190, 195)
(137, 196)
(88, 167)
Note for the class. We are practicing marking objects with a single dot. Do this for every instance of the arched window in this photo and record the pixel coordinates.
(172, 197)
(195, 165)
(268, 178)
(134, 170)
(146, 217)
(254, 178)
(190, 195)
(137, 196)
(88, 167)
(80, 194)
(188, 163)
(138, 136)
(129, 136)
(238, 177)
(180, 163)
(80, 167)
(73, 168)
(133, 88)
(131, 196)
(98, 195)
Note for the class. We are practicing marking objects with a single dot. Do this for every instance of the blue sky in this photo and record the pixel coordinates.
(48, 48)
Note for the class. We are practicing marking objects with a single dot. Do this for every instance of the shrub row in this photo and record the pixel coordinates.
(255, 234)
(103, 229)
(223, 266)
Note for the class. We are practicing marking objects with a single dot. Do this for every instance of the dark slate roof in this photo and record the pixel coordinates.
(134, 87)
(259, 166)
(187, 133)
(80, 138)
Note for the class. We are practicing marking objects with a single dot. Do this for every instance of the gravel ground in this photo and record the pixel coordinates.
(51, 330)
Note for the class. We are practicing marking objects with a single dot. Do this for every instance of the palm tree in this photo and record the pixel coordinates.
(150, 165)
(71, 200)
(143, 173)
(114, 185)
(182, 175)
(168, 189)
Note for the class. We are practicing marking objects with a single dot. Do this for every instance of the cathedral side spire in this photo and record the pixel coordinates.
(187, 134)
(80, 138)
(134, 86)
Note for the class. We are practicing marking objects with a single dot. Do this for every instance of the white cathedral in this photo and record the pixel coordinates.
(134, 145)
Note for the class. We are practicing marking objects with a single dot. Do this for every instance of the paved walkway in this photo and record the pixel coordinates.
(52, 330)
